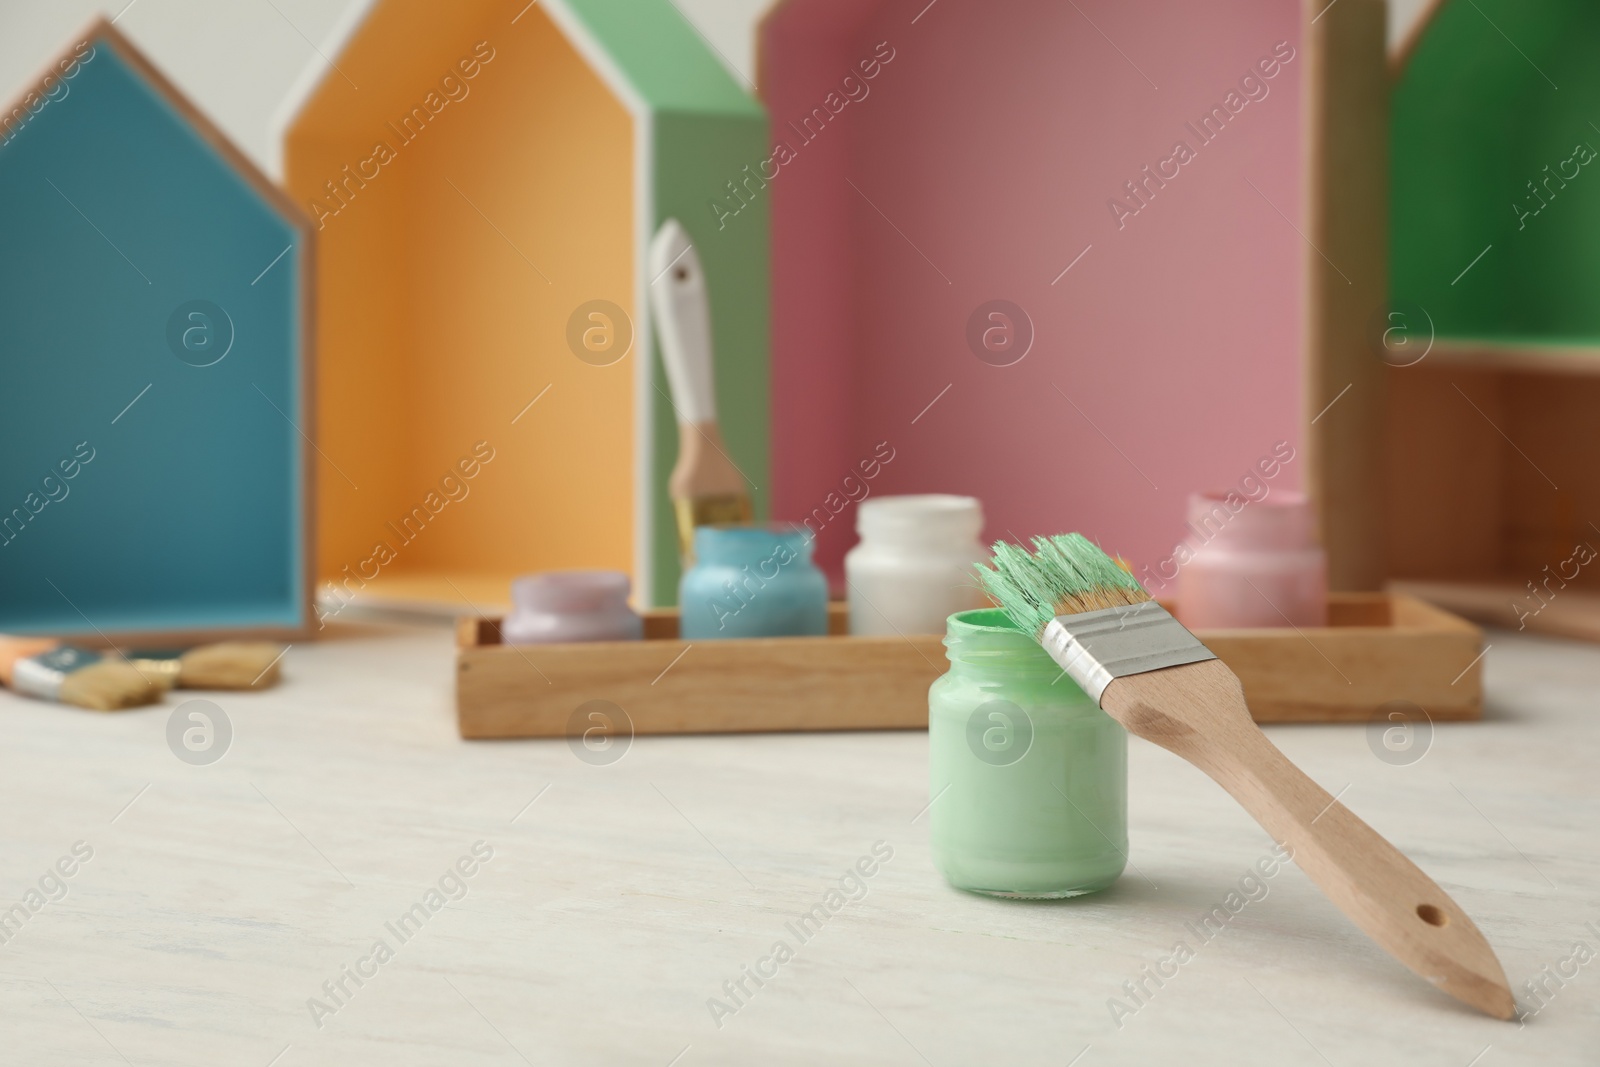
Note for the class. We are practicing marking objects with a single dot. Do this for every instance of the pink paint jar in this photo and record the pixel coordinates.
(571, 606)
(1251, 564)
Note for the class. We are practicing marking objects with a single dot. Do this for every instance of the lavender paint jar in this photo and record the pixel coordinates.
(566, 606)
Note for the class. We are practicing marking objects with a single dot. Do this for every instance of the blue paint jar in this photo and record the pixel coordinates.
(752, 581)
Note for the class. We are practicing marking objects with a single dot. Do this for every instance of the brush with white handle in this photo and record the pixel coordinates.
(705, 487)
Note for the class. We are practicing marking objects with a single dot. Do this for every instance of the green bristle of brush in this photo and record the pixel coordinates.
(1063, 575)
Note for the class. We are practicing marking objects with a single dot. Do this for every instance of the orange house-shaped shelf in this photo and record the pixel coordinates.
(485, 176)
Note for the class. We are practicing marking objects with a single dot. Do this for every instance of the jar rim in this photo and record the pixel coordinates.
(570, 590)
(939, 503)
(752, 531)
(1285, 520)
(920, 517)
(981, 620)
(1278, 499)
(741, 539)
(986, 639)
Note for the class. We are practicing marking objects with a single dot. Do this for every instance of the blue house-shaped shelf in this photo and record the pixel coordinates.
(155, 461)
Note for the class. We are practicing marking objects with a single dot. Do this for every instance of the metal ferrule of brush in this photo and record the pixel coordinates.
(1097, 647)
(43, 675)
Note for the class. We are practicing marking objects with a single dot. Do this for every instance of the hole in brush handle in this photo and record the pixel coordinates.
(1432, 915)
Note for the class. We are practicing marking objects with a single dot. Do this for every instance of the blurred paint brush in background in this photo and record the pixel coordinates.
(705, 486)
(225, 665)
(30, 665)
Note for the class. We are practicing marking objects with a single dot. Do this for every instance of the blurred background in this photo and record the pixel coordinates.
(238, 59)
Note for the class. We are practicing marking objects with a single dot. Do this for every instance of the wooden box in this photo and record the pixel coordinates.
(1379, 648)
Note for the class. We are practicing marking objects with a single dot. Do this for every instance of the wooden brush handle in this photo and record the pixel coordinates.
(1198, 711)
(15, 648)
(703, 467)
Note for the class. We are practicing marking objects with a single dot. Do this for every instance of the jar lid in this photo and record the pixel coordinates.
(1281, 520)
(749, 543)
(570, 591)
(923, 517)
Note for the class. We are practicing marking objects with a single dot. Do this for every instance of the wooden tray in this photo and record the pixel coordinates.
(1493, 602)
(1379, 648)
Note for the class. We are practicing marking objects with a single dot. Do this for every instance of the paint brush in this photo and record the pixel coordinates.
(49, 670)
(705, 486)
(1155, 678)
(224, 665)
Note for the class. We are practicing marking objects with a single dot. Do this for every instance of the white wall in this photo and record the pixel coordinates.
(237, 59)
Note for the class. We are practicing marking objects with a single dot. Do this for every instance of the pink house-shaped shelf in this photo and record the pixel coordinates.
(1131, 179)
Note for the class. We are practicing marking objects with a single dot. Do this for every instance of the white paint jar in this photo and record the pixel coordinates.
(913, 567)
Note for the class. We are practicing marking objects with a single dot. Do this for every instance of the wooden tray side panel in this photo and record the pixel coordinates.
(1574, 613)
(666, 687)
(1287, 679)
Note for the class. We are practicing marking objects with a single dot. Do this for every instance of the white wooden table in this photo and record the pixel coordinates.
(220, 898)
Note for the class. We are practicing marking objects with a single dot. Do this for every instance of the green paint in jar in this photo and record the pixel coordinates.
(1029, 777)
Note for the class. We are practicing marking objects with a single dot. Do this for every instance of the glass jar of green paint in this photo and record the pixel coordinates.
(1029, 778)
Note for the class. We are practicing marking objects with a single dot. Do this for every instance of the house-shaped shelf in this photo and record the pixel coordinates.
(946, 176)
(1494, 480)
(486, 176)
(153, 291)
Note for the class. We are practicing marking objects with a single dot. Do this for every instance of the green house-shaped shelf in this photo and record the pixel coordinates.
(154, 296)
(486, 177)
(1494, 462)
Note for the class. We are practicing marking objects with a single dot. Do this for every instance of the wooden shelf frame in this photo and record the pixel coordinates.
(1513, 357)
